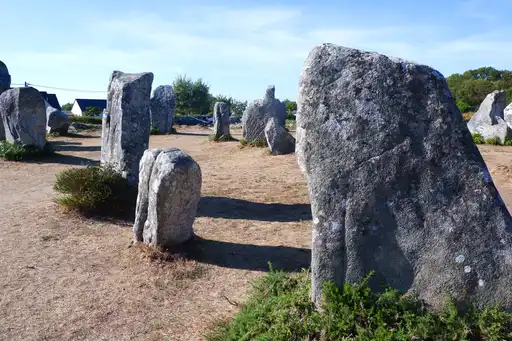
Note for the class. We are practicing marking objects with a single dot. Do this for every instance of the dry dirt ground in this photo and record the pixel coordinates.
(70, 278)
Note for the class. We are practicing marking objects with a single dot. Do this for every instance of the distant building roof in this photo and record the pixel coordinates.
(51, 99)
(95, 103)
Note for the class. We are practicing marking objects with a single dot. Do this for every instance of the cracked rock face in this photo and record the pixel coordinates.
(169, 193)
(257, 114)
(125, 133)
(397, 185)
(163, 108)
(24, 117)
(489, 121)
(221, 119)
(279, 140)
(5, 78)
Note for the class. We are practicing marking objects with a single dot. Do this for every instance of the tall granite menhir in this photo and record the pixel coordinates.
(125, 134)
(163, 108)
(397, 185)
(221, 120)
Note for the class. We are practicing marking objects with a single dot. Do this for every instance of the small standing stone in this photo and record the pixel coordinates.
(489, 120)
(24, 117)
(169, 193)
(221, 120)
(257, 114)
(279, 140)
(125, 133)
(57, 121)
(163, 108)
(5, 78)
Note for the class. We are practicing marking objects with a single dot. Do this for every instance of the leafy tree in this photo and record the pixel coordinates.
(67, 107)
(92, 111)
(192, 97)
(221, 98)
(238, 107)
(291, 107)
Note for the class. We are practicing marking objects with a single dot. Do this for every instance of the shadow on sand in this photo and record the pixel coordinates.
(230, 208)
(66, 146)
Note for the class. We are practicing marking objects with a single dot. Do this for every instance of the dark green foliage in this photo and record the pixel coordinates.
(258, 144)
(67, 107)
(85, 119)
(237, 108)
(279, 308)
(493, 140)
(478, 139)
(192, 97)
(154, 131)
(222, 138)
(96, 190)
(92, 111)
(15, 152)
(508, 142)
(291, 107)
(471, 87)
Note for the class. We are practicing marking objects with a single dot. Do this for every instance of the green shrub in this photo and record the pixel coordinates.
(257, 143)
(508, 142)
(154, 131)
(223, 138)
(85, 119)
(279, 308)
(96, 190)
(15, 152)
(493, 140)
(478, 139)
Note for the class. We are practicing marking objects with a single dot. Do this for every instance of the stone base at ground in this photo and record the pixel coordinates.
(169, 193)
(279, 140)
(396, 184)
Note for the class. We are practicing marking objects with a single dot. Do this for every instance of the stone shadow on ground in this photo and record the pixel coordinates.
(189, 134)
(66, 146)
(231, 208)
(246, 256)
(64, 160)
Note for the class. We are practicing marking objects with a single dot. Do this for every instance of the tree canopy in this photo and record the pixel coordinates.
(67, 107)
(471, 87)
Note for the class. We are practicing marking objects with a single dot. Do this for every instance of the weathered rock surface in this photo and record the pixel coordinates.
(489, 121)
(221, 119)
(169, 193)
(257, 114)
(507, 115)
(5, 78)
(396, 183)
(23, 116)
(279, 140)
(57, 121)
(163, 108)
(125, 133)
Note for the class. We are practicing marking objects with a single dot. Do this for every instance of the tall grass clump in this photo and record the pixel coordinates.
(96, 190)
(279, 308)
(257, 143)
(15, 152)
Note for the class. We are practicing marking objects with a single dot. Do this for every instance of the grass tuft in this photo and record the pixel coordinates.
(256, 143)
(15, 152)
(493, 141)
(222, 138)
(279, 308)
(478, 139)
(154, 131)
(96, 190)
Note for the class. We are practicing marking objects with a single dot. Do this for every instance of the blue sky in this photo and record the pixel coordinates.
(238, 47)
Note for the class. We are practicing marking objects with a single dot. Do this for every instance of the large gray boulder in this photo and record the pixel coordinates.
(257, 114)
(396, 183)
(489, 121)
(23, 116)
(5, 78)
(279, 140)
(56, 120)
(221, 120)
(169, 193)
(163, 108)
(125, 133)
(507, 115)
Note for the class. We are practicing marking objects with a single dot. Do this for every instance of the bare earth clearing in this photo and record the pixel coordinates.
(69, 278)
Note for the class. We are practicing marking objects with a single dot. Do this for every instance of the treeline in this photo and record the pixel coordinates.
(471, 87)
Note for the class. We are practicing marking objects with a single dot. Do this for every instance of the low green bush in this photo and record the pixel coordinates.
(85, 119)
(493, 140)
(96, 190)
(508, 142)
(257, 143)
(478, 139)
(279, 309)
(15, 152)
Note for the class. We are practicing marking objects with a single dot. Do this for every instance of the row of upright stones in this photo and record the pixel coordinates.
(168, 180)
(397, 185)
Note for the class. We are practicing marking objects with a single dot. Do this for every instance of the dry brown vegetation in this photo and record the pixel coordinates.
(65, 277)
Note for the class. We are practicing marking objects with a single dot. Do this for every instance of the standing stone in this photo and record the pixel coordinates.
(489, 121)
(279, 140)
(257, 114)
(125, 133)
(397, 185)
(507, 115)
(56, 120)
(221, 120)
(169, 193)
(5, 78)
(163, 108)
(23, 116)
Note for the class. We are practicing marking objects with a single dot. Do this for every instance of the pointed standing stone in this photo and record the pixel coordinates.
(163, 108)
(279, 140)
(221, 120)
(125, 133)
(397, 185)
